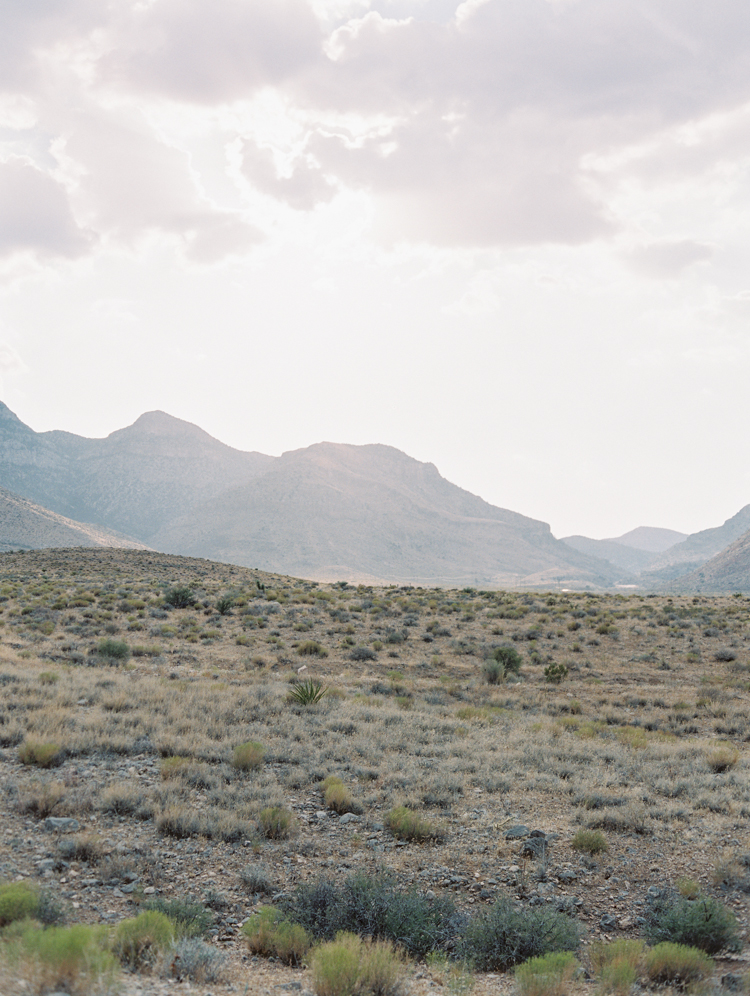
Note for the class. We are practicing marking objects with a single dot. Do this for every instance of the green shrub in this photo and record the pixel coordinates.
(337, 796)
(555, 673)
(373, 906)
(677, 965)
(248, 756)
(224, 605)
(72, 959)
(618, 964)
(49, 677)
(348, 965)
(40, 755)
(311, 648)
(509, 657)
(180, 597)
(114, 650)
(139, 941)
(507, 935)
(547, 975)
(190, 918)
(405, 824)
(699, 923)
(308, 692)
(268, 932)
(589, 841)
(274, 822)
(18, 901)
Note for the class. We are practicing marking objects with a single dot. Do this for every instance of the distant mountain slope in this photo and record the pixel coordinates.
(136, 480)
(650, 539)
(688, 556)
(728, 571)
(371, 512)
(628, 558)
(27, 526)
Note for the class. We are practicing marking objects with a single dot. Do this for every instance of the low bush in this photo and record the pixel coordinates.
(699, 923)
(18, 901)
(362, 654)
(311, 648)
(190, 918)
(348, 965)
(509, 657)
(73, 959)
(493, 671)
(274, 822)
(547, 975)
(180, 597)
(337, 797)
(269, 932)
(555, 673)
(373, 906)
(138, 942)
(405, 824)
(722, 758)
(507, 935)
(618, 964)
(248, 756)
(194, 959)
(114, 650)
(40, 755)
(677, 965)
(41, 799)
(589, 841)
(256, 878)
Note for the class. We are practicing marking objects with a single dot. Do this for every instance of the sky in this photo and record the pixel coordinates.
(509, 237)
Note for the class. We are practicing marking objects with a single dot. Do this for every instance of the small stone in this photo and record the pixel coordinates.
(64, 824)
(534, 847)
(348, 818)
(608, 922)
(517, 832)
(625, 923)
(537, 833)
(149, 890)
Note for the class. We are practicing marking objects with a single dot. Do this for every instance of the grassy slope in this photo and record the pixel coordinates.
(628, 742)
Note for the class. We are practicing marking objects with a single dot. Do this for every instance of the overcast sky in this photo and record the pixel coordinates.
(509, 237)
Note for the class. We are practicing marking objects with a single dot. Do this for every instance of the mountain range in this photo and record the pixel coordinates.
(329, 511)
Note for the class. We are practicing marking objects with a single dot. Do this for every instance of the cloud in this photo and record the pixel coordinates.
(190, 51)
(668, 258)
(35, 214)
(303, 187)
(131, 183)
(477, 124)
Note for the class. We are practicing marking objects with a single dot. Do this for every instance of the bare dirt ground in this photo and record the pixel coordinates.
(629, 715)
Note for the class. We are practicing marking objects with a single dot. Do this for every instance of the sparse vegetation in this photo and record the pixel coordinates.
(198, 756)
(268, 932)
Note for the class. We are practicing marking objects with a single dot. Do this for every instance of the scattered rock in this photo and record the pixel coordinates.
(64, 824)
(517, 832)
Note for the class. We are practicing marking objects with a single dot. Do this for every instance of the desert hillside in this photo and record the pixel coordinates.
(25, 525)
(328, 511)
(205, 741)
(338, 512)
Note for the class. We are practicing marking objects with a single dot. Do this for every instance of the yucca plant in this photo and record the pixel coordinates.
(307, 692)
